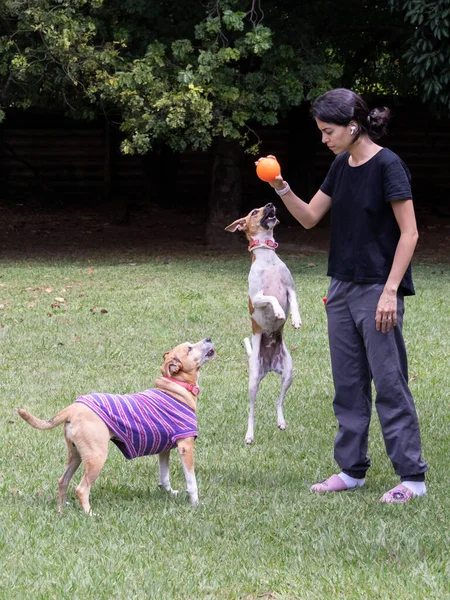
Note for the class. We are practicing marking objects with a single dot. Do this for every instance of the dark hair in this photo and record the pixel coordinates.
(340, 106)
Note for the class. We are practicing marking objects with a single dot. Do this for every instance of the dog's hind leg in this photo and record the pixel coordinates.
(73, 462)
(91, 437)
(92, 467)
(254, 380)
(164, 473)
(286, 380)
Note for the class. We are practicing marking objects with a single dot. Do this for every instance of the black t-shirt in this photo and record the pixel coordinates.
(364, 231)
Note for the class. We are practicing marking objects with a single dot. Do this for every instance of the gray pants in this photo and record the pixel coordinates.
(360, 353)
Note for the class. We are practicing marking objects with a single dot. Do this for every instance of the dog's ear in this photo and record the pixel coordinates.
(171, 365)
(238, 225)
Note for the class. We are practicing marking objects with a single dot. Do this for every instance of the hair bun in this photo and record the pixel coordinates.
(378, 119)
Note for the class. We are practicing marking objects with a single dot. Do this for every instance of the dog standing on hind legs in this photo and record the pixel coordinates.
(271, 296)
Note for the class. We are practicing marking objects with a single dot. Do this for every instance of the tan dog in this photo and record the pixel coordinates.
(152, 422)
(271, 295)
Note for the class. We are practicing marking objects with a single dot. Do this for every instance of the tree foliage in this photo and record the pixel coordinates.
(183, 74)
(187, 73)
(427, 48)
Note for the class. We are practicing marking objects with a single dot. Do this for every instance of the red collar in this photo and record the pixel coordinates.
(194, 389)
(260, 244)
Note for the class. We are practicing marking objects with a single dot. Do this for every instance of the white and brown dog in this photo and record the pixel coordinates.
(151, 422)
(271, 295)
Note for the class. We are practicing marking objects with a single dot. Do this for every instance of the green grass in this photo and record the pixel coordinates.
(259, 532)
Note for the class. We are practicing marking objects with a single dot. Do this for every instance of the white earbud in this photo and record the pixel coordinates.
(352, 129)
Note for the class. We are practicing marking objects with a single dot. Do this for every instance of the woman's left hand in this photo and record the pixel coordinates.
(386, 315)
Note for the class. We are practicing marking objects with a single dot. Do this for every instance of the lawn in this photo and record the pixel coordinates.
(79, 325)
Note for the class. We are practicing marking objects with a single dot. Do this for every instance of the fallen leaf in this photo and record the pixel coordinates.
(104, 311)
(91, 271)
(48, 290)
(60, 300)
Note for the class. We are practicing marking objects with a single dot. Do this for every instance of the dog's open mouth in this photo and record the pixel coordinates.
(210, 353)
(269, 217)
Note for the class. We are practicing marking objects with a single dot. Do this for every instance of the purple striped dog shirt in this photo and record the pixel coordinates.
(146, 423)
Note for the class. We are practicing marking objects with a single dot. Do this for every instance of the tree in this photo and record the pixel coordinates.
(185, 90)
(426, 49)
(208, 74)
(204, 81)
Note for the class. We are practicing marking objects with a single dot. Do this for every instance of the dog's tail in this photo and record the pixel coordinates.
(39, 423)
(248, 346)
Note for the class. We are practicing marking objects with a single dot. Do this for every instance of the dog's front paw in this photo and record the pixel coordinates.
(168, 489)
(194, 501)
(280, 314)
(296, 323)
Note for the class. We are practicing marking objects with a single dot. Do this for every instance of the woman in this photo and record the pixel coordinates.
(373, 237)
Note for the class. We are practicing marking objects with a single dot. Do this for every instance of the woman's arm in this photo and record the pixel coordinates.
(306, 214)
(386, 314)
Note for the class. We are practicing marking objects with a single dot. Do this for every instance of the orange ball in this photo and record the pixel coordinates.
(267, 169)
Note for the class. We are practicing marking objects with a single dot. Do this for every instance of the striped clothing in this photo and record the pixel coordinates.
(146, 423)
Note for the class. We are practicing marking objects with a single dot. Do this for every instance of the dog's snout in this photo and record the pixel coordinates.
(269, 209)
(208, 340)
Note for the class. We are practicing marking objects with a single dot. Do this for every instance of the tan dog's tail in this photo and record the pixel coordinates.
(39, 423)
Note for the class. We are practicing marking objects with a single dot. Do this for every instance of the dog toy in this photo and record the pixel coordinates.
(267, 169)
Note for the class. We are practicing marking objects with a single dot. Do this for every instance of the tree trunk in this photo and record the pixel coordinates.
(226, 194)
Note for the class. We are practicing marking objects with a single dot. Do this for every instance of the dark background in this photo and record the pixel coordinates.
(64, 183)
